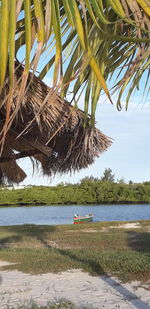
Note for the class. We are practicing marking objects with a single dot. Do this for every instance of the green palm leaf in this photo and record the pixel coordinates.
(90, 39)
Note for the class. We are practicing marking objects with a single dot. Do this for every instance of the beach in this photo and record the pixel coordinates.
(18, 288)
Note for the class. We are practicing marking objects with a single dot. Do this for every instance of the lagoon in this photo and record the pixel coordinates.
(53, 215)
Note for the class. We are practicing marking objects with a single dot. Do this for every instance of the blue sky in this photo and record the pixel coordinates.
(129, 154)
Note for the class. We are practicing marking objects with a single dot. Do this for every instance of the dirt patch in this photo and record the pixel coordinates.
(89, 230)
(4, 263)
(52, 244)
(130, 225)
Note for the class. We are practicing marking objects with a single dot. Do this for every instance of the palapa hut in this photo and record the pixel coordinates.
(48, 130)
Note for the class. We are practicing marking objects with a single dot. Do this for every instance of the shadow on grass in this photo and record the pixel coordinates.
(88, 263)
(97, 270)
(139, 241)
(27, 230)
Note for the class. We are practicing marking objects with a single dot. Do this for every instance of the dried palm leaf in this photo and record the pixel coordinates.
(56, 138)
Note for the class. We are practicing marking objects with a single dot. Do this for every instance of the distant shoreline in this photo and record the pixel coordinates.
(94, 204)
(86, 193)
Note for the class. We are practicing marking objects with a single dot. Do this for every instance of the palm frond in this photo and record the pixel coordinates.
(91, 28)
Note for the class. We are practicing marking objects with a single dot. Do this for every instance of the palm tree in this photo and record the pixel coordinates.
(82, 42)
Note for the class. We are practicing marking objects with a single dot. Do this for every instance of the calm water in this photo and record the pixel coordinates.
(52, 215)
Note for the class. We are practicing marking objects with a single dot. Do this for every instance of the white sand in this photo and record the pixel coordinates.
(130, 225)
(74, 285)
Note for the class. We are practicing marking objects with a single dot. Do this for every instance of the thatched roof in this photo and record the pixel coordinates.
(50, 131)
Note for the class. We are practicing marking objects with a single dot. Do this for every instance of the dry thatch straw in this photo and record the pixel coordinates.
(50, 131)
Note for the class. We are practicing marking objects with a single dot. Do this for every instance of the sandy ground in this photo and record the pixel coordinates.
(74, 285)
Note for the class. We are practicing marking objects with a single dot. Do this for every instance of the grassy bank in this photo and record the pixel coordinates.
(97, 248)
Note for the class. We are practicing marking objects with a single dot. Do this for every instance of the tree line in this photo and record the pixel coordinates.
(90, 190)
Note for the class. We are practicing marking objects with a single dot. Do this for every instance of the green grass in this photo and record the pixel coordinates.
(97, 248)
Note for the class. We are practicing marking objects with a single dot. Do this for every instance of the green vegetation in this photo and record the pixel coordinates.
(97, 248)
(89, 191)
(58, 305)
